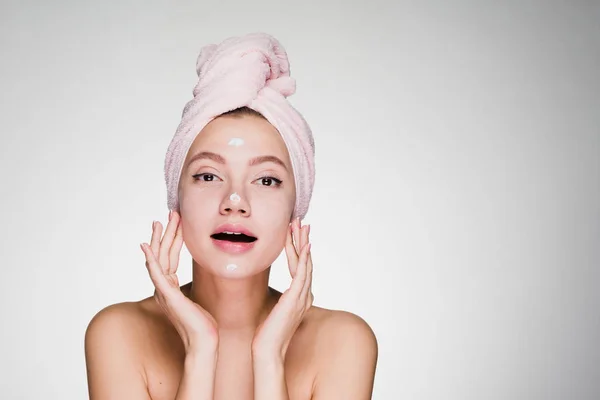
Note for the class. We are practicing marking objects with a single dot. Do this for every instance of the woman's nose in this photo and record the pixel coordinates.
(235, 203)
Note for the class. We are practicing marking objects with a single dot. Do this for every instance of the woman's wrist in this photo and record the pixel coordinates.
(202, 348)
(267, 360)
(201, 356)
(269, 354)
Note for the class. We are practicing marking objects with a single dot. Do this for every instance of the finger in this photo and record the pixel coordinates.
(167, 241)
(175, 251)
(154, 269)
(307, 289)
(298, 282)
(302, 240)
(155, 239)
(290, 252)
(299, 238)
(303, 267)
(308, 280)
(296, 232)
(305, 234)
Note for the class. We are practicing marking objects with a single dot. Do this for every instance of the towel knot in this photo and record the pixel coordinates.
(244, 67)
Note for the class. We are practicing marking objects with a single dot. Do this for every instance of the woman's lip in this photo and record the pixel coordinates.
(237, 228)
(233, 247)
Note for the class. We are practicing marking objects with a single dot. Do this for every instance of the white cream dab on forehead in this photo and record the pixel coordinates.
(236, 141)
(231, 267)
(235, 197)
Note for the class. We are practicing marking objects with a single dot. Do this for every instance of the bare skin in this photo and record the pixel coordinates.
(137, 350)
(159, 353)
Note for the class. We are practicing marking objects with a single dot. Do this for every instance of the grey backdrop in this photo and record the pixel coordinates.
(457, 203)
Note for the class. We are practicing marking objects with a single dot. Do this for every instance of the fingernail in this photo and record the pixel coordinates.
(170, 212)
(153, 224)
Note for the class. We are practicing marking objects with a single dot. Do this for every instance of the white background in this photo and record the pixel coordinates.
(457, 200)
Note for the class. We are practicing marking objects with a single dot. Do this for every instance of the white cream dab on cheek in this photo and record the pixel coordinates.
(236, 141)
(231, 267)
(235, 197)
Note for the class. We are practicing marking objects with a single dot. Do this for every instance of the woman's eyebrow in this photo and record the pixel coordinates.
(204, 155)
(264, 159)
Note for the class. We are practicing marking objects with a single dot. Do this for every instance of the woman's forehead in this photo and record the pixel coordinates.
(247, 136)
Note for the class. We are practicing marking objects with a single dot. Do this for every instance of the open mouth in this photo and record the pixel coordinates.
(233, 237)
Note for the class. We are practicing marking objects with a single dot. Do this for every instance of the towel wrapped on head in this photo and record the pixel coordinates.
(252, 71)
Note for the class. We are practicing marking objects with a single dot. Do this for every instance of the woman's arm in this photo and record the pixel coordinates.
(113, 355)
(269, 379)
(198, 380)
(114, 360)
(272, 338)
(196, 327)
(348, 354)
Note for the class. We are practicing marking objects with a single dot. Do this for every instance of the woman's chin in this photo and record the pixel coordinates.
(232, 267)
(235, 265)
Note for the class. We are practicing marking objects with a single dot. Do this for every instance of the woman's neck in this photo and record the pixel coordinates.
(238, 305)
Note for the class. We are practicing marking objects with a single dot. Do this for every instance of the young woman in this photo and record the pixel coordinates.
(238, 188)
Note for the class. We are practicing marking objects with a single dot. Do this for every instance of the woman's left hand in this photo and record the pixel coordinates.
(273, 336)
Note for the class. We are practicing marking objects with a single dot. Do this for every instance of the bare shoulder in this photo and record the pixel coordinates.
(112, 353)
(116, 343)
(119, 320)
(336, 328)
(123, 325)
(131, 323)
(347, 352)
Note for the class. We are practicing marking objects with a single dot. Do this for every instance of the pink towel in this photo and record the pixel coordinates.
(253, 71)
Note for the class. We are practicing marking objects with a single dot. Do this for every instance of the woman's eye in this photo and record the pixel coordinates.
(269, 181)
(264, 181)
(205, 177)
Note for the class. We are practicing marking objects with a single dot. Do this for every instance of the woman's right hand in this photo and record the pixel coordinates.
(197, 328)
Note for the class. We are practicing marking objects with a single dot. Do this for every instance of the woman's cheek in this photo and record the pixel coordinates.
(274, 200)
(274, 212)
(202, 203)
(199, 211)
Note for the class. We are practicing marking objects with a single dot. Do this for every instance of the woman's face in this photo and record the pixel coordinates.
(225, 181)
